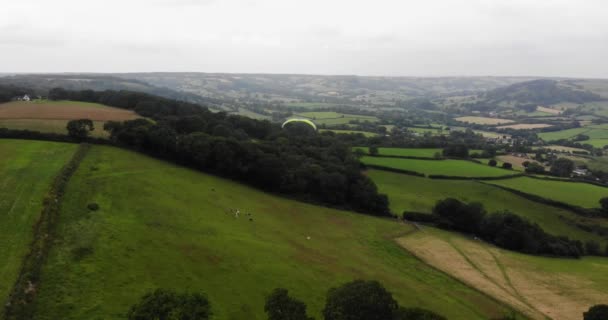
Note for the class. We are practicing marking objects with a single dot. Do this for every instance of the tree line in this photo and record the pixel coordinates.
(295, 161)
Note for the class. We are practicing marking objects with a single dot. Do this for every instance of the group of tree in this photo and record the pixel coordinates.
(504, 229)
(295, 161)
(8, 93)
(356, 300)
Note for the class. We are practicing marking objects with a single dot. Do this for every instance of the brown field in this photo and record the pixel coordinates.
(49, 126)
(525, 126)
(483, 120)
(540, 287)
(63, 110)
(548, 110)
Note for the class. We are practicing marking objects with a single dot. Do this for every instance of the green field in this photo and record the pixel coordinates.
(49, 126)
(460, 168)
(575, 193)
(161, 225)
(563, 134)
(420, 195)
(26, 171)
(311, 105)
(330, 118)
(365, 133)
(405, 152)
(540, 287)
(598, 135)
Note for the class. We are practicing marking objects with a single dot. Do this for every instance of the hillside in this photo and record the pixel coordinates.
(541, 92)
(165, 226)
(26, 171)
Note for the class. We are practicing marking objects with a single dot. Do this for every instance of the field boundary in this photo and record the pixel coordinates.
(569, 180)
(408, 172)
(23, 293)
(504, 177)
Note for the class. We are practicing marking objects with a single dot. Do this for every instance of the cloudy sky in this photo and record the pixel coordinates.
(375, 37)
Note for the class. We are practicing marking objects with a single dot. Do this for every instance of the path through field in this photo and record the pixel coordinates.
(540, 287)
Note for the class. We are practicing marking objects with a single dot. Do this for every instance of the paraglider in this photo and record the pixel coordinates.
(312, 124)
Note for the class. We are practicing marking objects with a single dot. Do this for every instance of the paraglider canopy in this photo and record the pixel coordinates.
(312, 124)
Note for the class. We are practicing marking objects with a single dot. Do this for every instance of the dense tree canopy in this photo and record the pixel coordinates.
(359, 300)
(280, 306)
(79, 129)
(597, 312)
(562, 167)
(164, 304)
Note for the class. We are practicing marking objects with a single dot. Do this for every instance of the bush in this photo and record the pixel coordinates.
(592, 248)
(507, 165)
(456, 215)
(167, 304)
(93, 206)
(534, 167)
(359, 300)
(280, 306)
(597, 312)
(492, 163)
(416, 314)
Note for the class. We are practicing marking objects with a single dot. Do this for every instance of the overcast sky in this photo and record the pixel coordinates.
(375, 37)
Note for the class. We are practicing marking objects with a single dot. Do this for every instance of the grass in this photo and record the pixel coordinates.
(161, 225)
(48, 126)
(562, 134)
(598, 135)
(26, 171)
(405, 152)
(330, 118)
(311, 105)
(540, 287)
(461, 168)
(420, 195)
(483, 120)
(575, 193)
(525, 126)
(365, 133)
(63, 110)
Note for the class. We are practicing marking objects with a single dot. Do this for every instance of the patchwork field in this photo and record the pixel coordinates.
(420, 195)
(53, 116)
(26, 171)
(483, 120)
(365, 133)
(330, 118)
(548, 110)
(565, 149)
(526, 126)
(181, 232)
(405, 152)
(460, 168)
(575, 193)
(598, 135)
(540, 287)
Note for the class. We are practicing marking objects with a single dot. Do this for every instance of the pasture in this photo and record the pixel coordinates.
(405, 152)
(53, 116)
(330, 118)
(409, 193)
(598, 135)
(526, 126)
(26, 171)
(483, 120)
(160, 225)
(460, 168)
(365, 133)
(576, 193)
(540, 287)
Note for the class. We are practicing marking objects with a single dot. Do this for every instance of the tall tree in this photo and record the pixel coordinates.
(359, 300)
(280, 306)
(79, 129)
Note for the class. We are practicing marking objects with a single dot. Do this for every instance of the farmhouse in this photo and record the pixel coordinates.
(23, 98)
(580, 172)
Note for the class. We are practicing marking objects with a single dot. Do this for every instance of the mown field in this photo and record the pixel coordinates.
(579, 194)
(53, 116)
(420, 195)
(26, 171)
(484, 120)
(598, 135)
(460, 168)
(365, 133)
(164, 226)
(330, 118)
(540, 287)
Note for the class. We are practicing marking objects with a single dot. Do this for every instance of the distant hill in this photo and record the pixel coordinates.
(541, 92)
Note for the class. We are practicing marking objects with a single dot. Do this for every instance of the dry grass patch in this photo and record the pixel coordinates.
(484, 120)
(548, 110)
(63, 110)
(525, 126)
(560, 289)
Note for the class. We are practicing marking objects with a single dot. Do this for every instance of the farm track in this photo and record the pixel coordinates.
(18, 306)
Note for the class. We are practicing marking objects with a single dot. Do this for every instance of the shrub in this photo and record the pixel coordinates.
(416, 314)
(597, 312)
(359, 300)
(167, 304)
(492, 163)
(507, 165)
(93, 206)
(592, 248)
(280, 306)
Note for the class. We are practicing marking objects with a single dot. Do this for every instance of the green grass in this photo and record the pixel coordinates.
(365, 133)
(563, 134)
(26, 171)
(460, 168)
(165, 226)
(598, 135)
(311, 104)
(579, 194)
(420, 195)
(330, 118)
(405, 152)
(49, 126)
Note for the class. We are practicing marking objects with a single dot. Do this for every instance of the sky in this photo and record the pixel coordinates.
(566, 38)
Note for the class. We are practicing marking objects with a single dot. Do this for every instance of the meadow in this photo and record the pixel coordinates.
(365, 133)
(405, 152)
(576, 193)
(540, 287)
(160, 225)
(459, 168)
(409, 193)
(483, 120)
(26, 171)
(330, 118)
(525, 126)
(49, 126)
(598, 135)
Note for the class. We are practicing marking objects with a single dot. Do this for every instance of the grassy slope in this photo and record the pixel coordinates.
(365, 133)
(541, 287)
(166, 226)
(26, 171)
(48, 126)
(420, 195)
(580, 194)
(460, 168)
